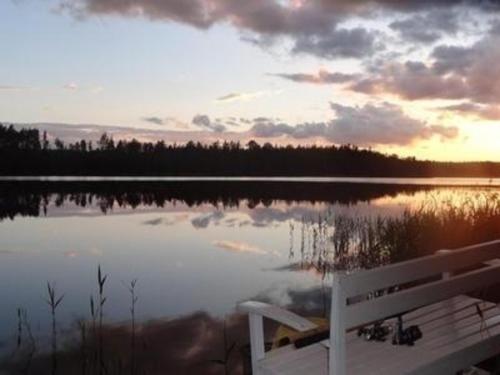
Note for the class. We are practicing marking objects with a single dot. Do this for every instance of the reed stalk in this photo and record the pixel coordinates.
(53, 301)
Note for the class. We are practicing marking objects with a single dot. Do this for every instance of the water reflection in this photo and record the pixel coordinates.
(199, 248)
(38, 198)
(197, 343)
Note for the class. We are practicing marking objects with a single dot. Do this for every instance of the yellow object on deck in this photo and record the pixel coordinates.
(285, 335)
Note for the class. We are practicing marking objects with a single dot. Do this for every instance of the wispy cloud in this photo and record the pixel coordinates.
(204, 122)
(166, 121)
(240, 247)
(480, 111)
(245, 96)
(204, 220)
(16, 88)
(72, 86)
(166, 221)
(76, 253)
(321, 77)
(238, 97)
(154, 120)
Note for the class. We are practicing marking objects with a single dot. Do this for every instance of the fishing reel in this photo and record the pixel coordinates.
(406, 336)
(377, 332)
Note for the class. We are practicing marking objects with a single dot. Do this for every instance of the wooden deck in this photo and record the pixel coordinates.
(434, 287)
(449, 327)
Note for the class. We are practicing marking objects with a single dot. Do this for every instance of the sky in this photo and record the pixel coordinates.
(412, 77)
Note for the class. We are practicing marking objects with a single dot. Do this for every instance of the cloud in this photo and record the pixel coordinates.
(76, 253)
(153, 222)
(171, 122)
(71, 86)
(192, 12)
(168, 221)
(238, 96)
(456, 73)
(186, 344)
(262, 16)
(239, 247)
(383, 124)
(412, 80)
(427, 27)
(204, 122)
(231, 121)
(230, 97)
(245, 96)
(313, 27)
(203, 221)
(485, 112)
(444, 132)
(321, 77)
(357, 43)
(452, 59)
(15, 88)
(153, 120)
(372, 124)
(166, 121)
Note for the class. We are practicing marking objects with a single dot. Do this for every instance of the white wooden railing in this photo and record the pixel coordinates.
(441, 279)
(345, 286)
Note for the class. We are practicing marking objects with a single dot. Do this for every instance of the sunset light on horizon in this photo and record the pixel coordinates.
(412, 78)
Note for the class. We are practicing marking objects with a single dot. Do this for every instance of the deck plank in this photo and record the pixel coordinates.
(449, 327)
(435, 330)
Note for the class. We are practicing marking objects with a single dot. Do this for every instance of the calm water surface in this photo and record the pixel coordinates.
(194, 245)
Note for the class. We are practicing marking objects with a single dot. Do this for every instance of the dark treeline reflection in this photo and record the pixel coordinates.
(35, 198)
(29, 153)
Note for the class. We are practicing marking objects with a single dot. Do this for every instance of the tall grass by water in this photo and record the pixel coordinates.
(349, 242)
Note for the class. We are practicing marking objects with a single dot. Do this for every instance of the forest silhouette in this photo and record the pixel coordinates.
(27, 152)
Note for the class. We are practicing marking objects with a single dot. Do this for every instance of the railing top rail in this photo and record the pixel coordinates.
(358, 283)
(391, 304)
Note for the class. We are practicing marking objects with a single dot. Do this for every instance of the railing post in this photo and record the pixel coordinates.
(337, 353)
(256, 340)
(445, 275)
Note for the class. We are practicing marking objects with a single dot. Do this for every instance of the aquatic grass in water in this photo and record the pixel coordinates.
(53, 301)
(26, 345)
(133, 302)
(347, 242)
(101, 280)
(85, 356)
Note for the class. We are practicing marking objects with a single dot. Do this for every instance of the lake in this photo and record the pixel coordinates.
(194, 245)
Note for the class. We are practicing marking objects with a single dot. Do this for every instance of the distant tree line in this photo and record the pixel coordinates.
(27, 152)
